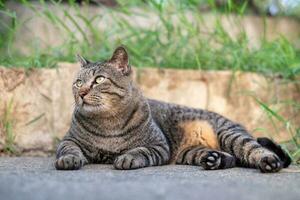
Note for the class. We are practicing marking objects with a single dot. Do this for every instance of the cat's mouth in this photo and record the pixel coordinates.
(89, 104)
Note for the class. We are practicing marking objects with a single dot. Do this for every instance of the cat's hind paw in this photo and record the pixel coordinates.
(211, 160)
(270, 164)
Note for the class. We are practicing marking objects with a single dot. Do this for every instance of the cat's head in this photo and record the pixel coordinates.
(103, 87)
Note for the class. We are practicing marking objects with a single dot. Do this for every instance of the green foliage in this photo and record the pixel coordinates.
(7, 123)
(175, 41)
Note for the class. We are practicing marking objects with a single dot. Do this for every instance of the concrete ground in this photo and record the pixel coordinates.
(35, 178)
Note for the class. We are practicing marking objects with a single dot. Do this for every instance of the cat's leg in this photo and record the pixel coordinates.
(143, 157)
(205, 157)
(234, 139)
(276, 148)
(69, 156)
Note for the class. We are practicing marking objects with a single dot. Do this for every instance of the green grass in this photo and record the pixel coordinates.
(6, 124)
(165, 44)
(174, 41)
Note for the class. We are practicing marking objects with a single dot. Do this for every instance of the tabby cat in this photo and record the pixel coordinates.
(114, 123)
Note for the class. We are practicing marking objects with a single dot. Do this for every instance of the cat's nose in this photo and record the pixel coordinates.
(84, 92)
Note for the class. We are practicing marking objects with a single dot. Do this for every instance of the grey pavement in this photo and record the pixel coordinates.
(36, 179)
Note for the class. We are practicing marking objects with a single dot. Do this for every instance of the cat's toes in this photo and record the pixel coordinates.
(68, 162)
(269, 164)
(130, 161)
(211, 160)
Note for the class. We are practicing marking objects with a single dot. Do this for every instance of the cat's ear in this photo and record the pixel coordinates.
(83, 62)
(120, 60)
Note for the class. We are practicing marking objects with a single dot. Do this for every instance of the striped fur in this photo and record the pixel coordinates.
(114, 123)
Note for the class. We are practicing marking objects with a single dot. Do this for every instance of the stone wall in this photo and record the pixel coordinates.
(42, 101)
(38, 30)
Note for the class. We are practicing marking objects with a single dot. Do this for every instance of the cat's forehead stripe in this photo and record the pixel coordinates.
(89, 72)
(92, 72)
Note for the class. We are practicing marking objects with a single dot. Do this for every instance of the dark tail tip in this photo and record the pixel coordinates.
(276, 148)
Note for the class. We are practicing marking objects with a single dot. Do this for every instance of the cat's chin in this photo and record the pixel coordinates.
(89, 108)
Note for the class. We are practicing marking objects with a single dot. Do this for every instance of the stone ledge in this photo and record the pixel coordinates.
(42, 99)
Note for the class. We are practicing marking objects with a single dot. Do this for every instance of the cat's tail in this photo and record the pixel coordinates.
(276, 148)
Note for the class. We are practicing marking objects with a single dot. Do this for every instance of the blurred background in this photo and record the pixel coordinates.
(247, 34)
(245, 55)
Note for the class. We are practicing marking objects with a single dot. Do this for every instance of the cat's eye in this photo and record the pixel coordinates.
(99, 79)
(78, 83)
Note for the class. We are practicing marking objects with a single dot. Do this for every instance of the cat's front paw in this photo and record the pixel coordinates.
(130, 161)
(68, 162)
(269, 164)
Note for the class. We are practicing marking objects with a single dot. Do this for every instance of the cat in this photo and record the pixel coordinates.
(114, 123)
